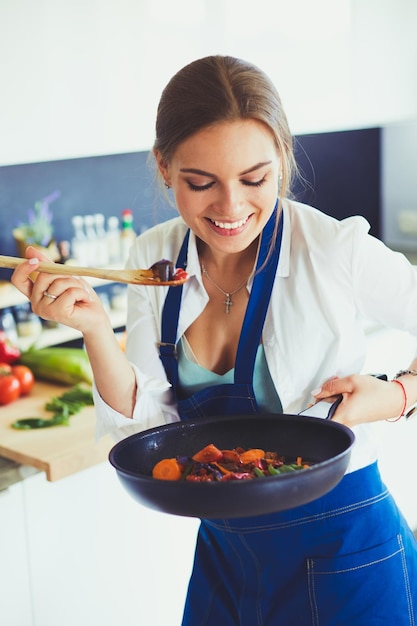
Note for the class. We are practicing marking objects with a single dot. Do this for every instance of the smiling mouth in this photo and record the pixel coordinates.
(230, 225)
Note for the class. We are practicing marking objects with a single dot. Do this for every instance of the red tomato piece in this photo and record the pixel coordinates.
(25, 377)
(9, 389)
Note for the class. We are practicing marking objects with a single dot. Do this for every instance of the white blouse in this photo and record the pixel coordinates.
(332, 275)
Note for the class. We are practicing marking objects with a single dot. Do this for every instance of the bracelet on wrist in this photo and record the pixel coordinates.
(404, 373)
(395, 419)
(413, 409)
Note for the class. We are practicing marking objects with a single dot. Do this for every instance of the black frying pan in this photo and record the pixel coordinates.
(325, 443)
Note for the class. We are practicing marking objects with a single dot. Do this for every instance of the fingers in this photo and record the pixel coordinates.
(52, 296)
(67, 300)
(23, 276)
(331, 388)
(35, 253)
(65, 291)
(364, 398)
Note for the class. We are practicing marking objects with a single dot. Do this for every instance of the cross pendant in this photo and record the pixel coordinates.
(228, 302)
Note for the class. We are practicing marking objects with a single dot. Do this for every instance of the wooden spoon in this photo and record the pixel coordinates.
(136, 277)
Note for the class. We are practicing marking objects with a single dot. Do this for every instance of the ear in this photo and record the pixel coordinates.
(162, 166)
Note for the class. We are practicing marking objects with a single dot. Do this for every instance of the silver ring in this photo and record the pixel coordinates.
(49, 295)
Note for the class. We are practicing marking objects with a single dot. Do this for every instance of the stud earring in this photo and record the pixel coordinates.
(167, 186)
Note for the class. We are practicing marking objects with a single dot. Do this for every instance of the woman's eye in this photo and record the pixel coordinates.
(256, 183)
(199, 187)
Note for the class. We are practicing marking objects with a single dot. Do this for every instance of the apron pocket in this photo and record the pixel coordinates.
(368, 587)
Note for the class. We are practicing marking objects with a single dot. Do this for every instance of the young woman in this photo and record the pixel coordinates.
(304, 280)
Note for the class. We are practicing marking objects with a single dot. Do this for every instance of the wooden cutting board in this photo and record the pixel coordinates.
(60, 450)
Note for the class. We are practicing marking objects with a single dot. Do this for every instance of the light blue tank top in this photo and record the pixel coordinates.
(193, 377)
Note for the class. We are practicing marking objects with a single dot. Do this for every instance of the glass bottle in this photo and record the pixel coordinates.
(8, 325)
(92, 240)
(113, 240)
(102, 248)
(127, 235)
(79, 243)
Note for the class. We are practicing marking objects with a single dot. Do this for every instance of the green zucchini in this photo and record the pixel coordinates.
(67, 366)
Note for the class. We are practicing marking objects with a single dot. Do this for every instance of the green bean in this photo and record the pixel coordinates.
(69, 403)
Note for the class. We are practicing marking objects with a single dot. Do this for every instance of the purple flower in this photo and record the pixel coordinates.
(38, 228)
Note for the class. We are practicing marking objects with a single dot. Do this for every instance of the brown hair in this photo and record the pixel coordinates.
(217, 89)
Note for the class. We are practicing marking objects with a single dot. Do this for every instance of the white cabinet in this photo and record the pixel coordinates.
(15, 588)
(98, 557)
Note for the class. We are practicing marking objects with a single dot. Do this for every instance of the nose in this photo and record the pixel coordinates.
(230, 199)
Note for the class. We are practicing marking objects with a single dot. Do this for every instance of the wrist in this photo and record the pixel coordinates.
(407, 381)
(404, 400)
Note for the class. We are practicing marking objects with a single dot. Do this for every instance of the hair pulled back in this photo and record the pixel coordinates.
(217, 89)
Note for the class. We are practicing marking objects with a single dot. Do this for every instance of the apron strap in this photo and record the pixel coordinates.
(169, 325)
(254, 317)
(260, 296)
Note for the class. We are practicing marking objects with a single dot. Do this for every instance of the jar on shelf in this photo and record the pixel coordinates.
(28, 324)
(8, 325)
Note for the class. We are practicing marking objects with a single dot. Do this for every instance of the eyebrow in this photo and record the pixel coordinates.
(192, 170)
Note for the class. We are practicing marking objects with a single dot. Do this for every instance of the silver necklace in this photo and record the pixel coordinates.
(228, 302)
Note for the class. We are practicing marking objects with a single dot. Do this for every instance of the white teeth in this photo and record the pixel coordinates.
(230, 225)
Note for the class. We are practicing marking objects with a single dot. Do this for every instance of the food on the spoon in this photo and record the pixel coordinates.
(165, 272)
(210, 464)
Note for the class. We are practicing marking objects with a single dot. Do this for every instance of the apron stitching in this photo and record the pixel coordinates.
(243, 573)
(406, 582)
(304, 520)
(312, 592)
(358, 567)
(205, 618)
(258, 577)
(244, 576)
(311, 580)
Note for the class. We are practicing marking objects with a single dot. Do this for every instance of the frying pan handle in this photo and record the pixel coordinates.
(322, 409)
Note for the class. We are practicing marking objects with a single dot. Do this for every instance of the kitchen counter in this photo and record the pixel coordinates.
(58, 451)
(12, 472)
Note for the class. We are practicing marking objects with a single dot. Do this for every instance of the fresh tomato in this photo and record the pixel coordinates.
(8, 352)
(9, 388)
(25, 377)
(5, 368)
(180, 274)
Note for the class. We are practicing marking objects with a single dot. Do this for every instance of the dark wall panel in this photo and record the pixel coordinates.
(103, 184)
(341, 172)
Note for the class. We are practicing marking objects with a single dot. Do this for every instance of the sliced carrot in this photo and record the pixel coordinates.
(167, 469)
(299, 460)
(252, 455)
(209, 454)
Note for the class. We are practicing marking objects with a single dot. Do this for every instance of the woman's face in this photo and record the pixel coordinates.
(225, 182)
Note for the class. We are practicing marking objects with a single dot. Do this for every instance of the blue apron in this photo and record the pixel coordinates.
(347, 558)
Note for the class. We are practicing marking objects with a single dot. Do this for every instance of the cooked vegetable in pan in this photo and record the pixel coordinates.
(210, 464)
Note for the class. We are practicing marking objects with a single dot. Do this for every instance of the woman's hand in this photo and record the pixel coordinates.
(365, 399)
(71, 301)
(66, 300)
